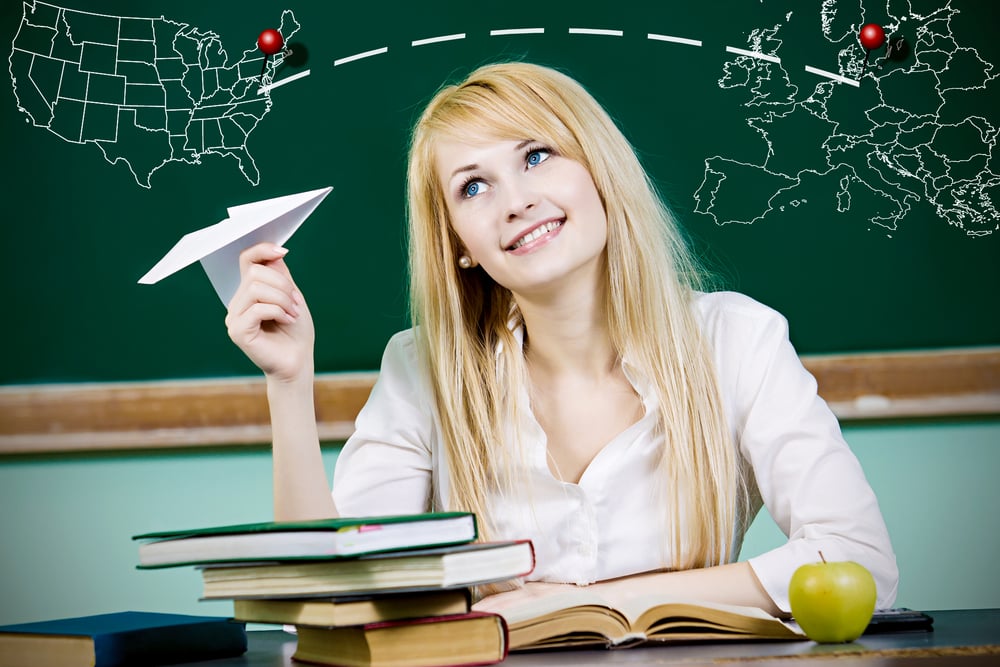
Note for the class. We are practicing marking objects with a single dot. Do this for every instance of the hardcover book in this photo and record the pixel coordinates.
(474, 638)
(360, 610)
(289, 540)
(460, 565)
(129, 638)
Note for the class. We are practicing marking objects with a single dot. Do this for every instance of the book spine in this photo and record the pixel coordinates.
(179, 643)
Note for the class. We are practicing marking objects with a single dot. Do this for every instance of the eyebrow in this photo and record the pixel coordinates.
(474, 167)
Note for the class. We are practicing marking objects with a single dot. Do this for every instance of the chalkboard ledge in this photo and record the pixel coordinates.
(66, 418)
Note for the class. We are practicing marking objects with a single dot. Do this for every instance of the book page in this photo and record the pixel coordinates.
(517, 607)
(656, 615)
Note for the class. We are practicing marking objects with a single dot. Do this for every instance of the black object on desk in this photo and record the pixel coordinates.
(899, 619)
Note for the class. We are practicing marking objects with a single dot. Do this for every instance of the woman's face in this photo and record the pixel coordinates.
(530, 217)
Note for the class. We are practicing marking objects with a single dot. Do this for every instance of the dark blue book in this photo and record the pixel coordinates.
(129, 638)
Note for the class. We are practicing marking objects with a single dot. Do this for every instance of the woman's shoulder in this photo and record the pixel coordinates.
(401, 349)
(403, 340)
(733, 304)
(401, 373)
(732, 316)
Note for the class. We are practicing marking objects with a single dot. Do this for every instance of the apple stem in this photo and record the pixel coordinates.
(822, 557)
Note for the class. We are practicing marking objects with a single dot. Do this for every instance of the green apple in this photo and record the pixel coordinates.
(832, 601)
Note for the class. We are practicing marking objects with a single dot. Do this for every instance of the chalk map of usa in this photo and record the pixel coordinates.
(889, 158)
(144, 91)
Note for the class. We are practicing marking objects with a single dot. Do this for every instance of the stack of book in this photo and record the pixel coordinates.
(370, 591)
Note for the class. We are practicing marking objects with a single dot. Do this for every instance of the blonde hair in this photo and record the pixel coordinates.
(462, 316)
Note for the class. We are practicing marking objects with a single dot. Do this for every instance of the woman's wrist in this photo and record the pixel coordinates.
(301, 381)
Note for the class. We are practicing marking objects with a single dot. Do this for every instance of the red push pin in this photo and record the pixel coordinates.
(872, 36)
(269, 42)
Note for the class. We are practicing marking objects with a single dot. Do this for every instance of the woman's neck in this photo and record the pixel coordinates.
(568, 336)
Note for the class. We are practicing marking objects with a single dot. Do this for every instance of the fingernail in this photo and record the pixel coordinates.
(280, 250)
(297, 297)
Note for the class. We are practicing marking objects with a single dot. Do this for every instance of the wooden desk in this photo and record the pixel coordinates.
(964, 638)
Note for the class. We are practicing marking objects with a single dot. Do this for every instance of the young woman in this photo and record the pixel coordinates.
(567, 377)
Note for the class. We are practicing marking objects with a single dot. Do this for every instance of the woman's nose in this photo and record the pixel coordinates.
(521, 198)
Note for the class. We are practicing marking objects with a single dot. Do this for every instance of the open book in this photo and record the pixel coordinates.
(581, 617)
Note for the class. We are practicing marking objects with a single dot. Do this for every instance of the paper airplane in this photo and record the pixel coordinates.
(218, 246)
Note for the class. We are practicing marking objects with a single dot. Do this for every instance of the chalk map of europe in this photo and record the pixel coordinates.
(893, 158)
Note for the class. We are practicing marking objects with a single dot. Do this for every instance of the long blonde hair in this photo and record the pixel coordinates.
(462, 316)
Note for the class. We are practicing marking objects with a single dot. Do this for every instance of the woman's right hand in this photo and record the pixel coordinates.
(268, 318)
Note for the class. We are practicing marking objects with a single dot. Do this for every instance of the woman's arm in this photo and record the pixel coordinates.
(809, 479)
(269, 320)
(734, 584)
(301, 489)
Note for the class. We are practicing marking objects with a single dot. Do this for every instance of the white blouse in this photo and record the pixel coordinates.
(607, 525)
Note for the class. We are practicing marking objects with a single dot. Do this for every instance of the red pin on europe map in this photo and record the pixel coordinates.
(872, 37)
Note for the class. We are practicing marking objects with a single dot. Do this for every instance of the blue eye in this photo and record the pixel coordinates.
(472, 188)
(537, 156)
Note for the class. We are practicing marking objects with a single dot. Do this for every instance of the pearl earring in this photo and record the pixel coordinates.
(465, 261)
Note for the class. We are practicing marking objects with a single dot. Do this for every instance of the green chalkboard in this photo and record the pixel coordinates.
(867, 214)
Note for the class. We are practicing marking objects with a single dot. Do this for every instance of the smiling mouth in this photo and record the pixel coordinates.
(537, 232)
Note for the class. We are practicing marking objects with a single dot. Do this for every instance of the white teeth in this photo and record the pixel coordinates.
(528, 238)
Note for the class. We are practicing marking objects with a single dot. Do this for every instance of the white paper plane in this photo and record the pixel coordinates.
(219, 246)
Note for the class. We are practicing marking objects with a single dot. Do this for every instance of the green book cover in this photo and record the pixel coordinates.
(321, 538)
(340, 523)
